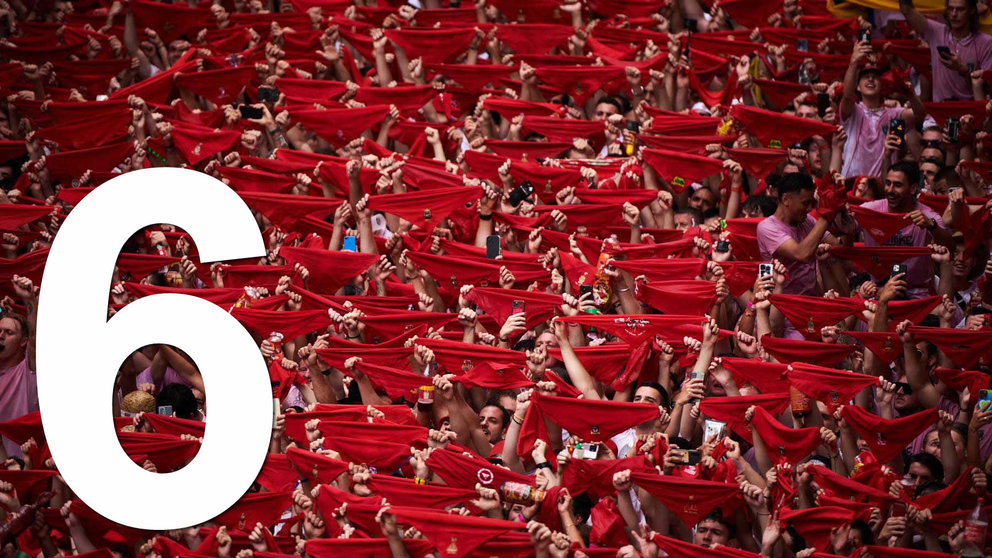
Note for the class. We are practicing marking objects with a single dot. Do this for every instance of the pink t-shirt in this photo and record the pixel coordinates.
(974, 50)
(865, 143)
(919, 270)
(18, 397)
(772, 233)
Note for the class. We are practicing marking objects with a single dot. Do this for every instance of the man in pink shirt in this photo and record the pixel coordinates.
(923, 225)
(867, 122)
(792, 236)
(18, 383)
(956, 48)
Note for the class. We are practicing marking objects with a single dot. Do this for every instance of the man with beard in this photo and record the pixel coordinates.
(924, 226)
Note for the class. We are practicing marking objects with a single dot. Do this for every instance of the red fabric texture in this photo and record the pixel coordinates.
(784, 444)
(887, 438)
(828, 385)
(788, 351)
(810, 314)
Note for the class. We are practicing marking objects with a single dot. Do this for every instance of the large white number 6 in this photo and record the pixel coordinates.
(79, 351)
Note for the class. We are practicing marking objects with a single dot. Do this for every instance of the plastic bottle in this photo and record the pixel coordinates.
(520, 493)
(974, 531)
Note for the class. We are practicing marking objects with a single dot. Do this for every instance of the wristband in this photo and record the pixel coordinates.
(419, 480)
(544, 465)
(486, 217)
(516, 419)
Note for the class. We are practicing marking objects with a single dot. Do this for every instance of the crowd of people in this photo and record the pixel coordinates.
(550, 278)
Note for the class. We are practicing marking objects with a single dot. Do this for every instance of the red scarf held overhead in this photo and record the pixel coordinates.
(816, 524)
(964, 348)
(732, 409)
(433, 45)
(428, 208)
(887, 438)
(533, 38)
(810, 314)
(220, 87)
(689, 499)
(588, 419)
(452, 534)
(285, 210)
(465, 471)
(678, 297)
(831, 386)
(290, 324)
(777, 130)
(498, 303)
(314, 467)
(788, 351)
(457, 357)
(339, 126)
(256, 181)
(329, 270)
(663, 270)
(563, 129)
(769, 377)
(602, 362)
(913, 310)
(885, 345)
(679, 169)
(494, 376)
(395, 382)
(784, 444)
(879, 224)
(878, 260)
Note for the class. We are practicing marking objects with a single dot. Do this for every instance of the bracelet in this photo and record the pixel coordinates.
(486, 217)
(419, 480)
(623, 290)
(516, 419)
(355, 336)
(544, 465)
(504, 339)
(156, 154)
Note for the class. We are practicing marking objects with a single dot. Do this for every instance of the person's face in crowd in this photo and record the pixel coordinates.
(6, 172)
(714, 388)
(176, 49)
(931, 153)
(12, 339)
(816, 155)
(604, 111)
(796, 205)
(932, 134)
(869, 85)
(710, 532)
(445, 424)
(508, 402)
(900, 193)
(962, 262)
(931, 444)
(647, 394)
(905, 401)
(683, 221)
(546, 340)
(702, 199)
(929, 171)
(958, 15)
(919, 474)
(491, 419)
(808, 112)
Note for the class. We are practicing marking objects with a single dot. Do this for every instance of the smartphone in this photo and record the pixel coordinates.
(165, 410)
(691, 25)
(493, 247)
(349, 244)
(953, 127)
(984, 399)
(722, 246)
(944, 51)
(864, 35)
(802, 45)
(822, 103)
(584, 289)
(714, 430)
(897, 509)
(897, 269)
(521, 192)
(519, 307)
(686, 457)
(591, 451)
(248, 111)
(897, 126)
(765, 270)
(701, 376)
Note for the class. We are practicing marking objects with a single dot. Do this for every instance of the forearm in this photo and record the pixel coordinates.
(577, 372)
